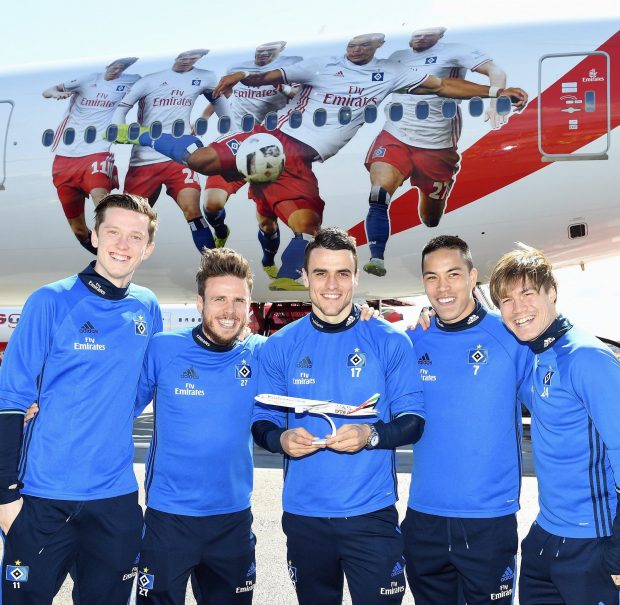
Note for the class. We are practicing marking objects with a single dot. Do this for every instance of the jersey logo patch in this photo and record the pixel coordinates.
(430, 60)
(140, 326)
(120, 88)
(146, 581)
(478, 355)
(377, 76)
(356, 359)
(548, 377)
(509, 574)
(379, 152)
(190, 373)
(17, 573)
(196, 82)
(243, 371)
(292, 573)
(425, 360)
(398, 569)
(252, 570)
(306, 362)
(233, 144)
(88, 328)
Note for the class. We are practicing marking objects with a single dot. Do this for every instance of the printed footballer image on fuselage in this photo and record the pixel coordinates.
(394, 137)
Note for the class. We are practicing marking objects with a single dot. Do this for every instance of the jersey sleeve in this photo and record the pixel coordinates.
(271, 380)
(407, 77)
(77, 84)
(595, 380)
(148, 379)
(26, 353)
(468, 57)
(303, 71)
(137, 91)
(403, 382)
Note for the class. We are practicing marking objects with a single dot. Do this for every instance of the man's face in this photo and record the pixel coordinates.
(122, 243)
(424, 39)
(266, 54)
(224, 307)
(185, 61)
(527, 312)
(361, 50)
(449, 284)
(331, 279)
(114, 70)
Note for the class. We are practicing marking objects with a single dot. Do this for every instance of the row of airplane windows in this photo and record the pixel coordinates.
(449, 109)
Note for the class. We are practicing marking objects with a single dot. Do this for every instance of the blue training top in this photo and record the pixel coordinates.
(572, 392)
(346, 363)
(468, 461)
(200, 459)
(77, 350)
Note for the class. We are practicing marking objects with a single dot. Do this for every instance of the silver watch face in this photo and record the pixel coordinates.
(374, 440)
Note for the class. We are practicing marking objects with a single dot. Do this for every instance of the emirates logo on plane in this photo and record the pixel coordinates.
(593, 77)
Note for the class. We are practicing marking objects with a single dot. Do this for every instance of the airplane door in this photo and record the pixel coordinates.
(574, 109)
(6, 111)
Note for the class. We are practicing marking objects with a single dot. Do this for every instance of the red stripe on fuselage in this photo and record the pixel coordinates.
(489, 165)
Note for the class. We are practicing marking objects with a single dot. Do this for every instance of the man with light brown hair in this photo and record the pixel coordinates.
(572, 552)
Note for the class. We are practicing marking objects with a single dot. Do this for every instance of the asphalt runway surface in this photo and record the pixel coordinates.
(273, 584)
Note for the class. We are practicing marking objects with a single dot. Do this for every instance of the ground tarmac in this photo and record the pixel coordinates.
(273, 584)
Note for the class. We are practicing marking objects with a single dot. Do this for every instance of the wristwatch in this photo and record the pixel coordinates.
(373, 438)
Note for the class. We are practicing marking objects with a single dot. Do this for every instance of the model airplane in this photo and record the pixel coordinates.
(319, 406)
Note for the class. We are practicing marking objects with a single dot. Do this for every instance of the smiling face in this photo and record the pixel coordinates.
(331, 277)
(528, 312)
(224, 307)
(449, 283)
(266, 53)
(122, 242)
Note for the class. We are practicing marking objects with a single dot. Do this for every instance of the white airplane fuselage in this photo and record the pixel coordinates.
(506, 190)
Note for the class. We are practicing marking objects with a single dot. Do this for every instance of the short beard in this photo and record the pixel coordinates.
(215, 338)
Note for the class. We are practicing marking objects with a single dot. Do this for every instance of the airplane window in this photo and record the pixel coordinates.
(448, 109)
(155, 130)
(344, 115)
(200, 126)
(247, 123)
(223, 125)
(503, 105)
(422, 110)
(111, 132)
(133, 132)
(178, 128)
(590, 97)
(68, 136)
(370, 114)
(396, 112)
(271, 120)
(320, 117)
(90, 134)
(294, 119)
(476, 107)
(48, 137)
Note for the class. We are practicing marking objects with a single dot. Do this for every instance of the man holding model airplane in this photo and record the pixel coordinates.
(336, 526)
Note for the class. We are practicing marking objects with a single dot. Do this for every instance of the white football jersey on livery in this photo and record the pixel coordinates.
(335, 83)
(165, 97)
(444, 60)
(92, 103)
(257, 101)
